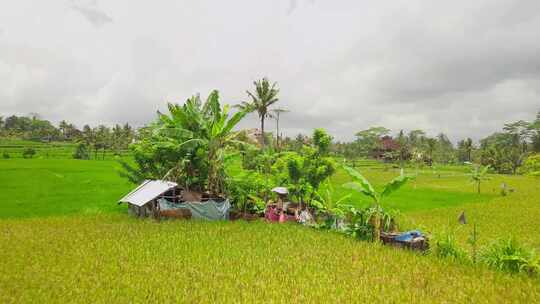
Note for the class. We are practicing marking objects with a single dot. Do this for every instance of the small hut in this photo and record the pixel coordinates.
(143, 200)
(159, 198)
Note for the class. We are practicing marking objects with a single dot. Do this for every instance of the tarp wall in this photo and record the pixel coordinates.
(208, 210)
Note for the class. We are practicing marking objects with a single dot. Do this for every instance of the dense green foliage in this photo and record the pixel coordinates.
(531, 166)
(188, 145)
(28, 152)
(301, 172)
(81, 152)
(508, 255)
(376, 212)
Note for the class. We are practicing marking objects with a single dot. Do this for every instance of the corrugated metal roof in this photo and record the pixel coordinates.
(147, 191)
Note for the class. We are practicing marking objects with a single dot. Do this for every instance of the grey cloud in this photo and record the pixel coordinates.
(91, 11)
(292, 6)
(461, 67)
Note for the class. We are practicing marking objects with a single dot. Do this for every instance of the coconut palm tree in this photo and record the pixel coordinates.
(63, 126)
(468, 146)
(277, 113)
(264, 96)
(431, 145)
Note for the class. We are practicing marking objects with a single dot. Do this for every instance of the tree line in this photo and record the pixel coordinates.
(504, 151)
(91, 140)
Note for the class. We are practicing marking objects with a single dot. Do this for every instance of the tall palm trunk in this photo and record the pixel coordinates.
(263, 139)
(277, 132)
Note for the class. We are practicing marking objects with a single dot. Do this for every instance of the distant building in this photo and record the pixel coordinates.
(387, 149)
(252, 136)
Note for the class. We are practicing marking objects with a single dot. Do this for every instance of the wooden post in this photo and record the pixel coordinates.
(155, 210)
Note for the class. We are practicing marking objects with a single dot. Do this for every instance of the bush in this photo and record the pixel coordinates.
(362, 222)
(81, 152)
(508, 255)
(248, 192)
(28, 152)
(5, 155)
(446, 247)
(531, 166)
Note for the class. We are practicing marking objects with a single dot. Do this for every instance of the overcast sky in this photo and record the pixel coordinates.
(460, 67)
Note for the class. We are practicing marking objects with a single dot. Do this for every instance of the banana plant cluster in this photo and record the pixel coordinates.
(362, 185)
(478, 174)
(189, 143)
(333, 209)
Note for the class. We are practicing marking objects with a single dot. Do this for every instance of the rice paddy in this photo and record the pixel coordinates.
(64, 239)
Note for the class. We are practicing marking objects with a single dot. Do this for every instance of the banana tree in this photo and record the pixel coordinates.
(332, 208)
(362, 185)
(201, 132)
(477, 175)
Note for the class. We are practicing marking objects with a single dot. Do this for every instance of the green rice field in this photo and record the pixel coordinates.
(64, 239)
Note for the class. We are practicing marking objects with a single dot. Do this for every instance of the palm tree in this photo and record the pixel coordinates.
(403, 147)
(431, 145)
(264, 96)
(277, 113)
(468, 146)
(63, 128)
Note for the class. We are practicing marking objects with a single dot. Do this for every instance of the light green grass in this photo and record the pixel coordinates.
(49, 150)
(41, 187)
(428, 191)
(516, 214)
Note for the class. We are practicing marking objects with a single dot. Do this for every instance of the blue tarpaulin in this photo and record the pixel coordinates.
(408, 236)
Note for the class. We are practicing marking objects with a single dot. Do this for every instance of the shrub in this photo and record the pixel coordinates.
(28, 152)
(446, 247)
(359, 224)
(5, 155)
(531, 166)
(247, 191)
(508, 255)
(362, 222)
(249, 158)
(81, 152)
